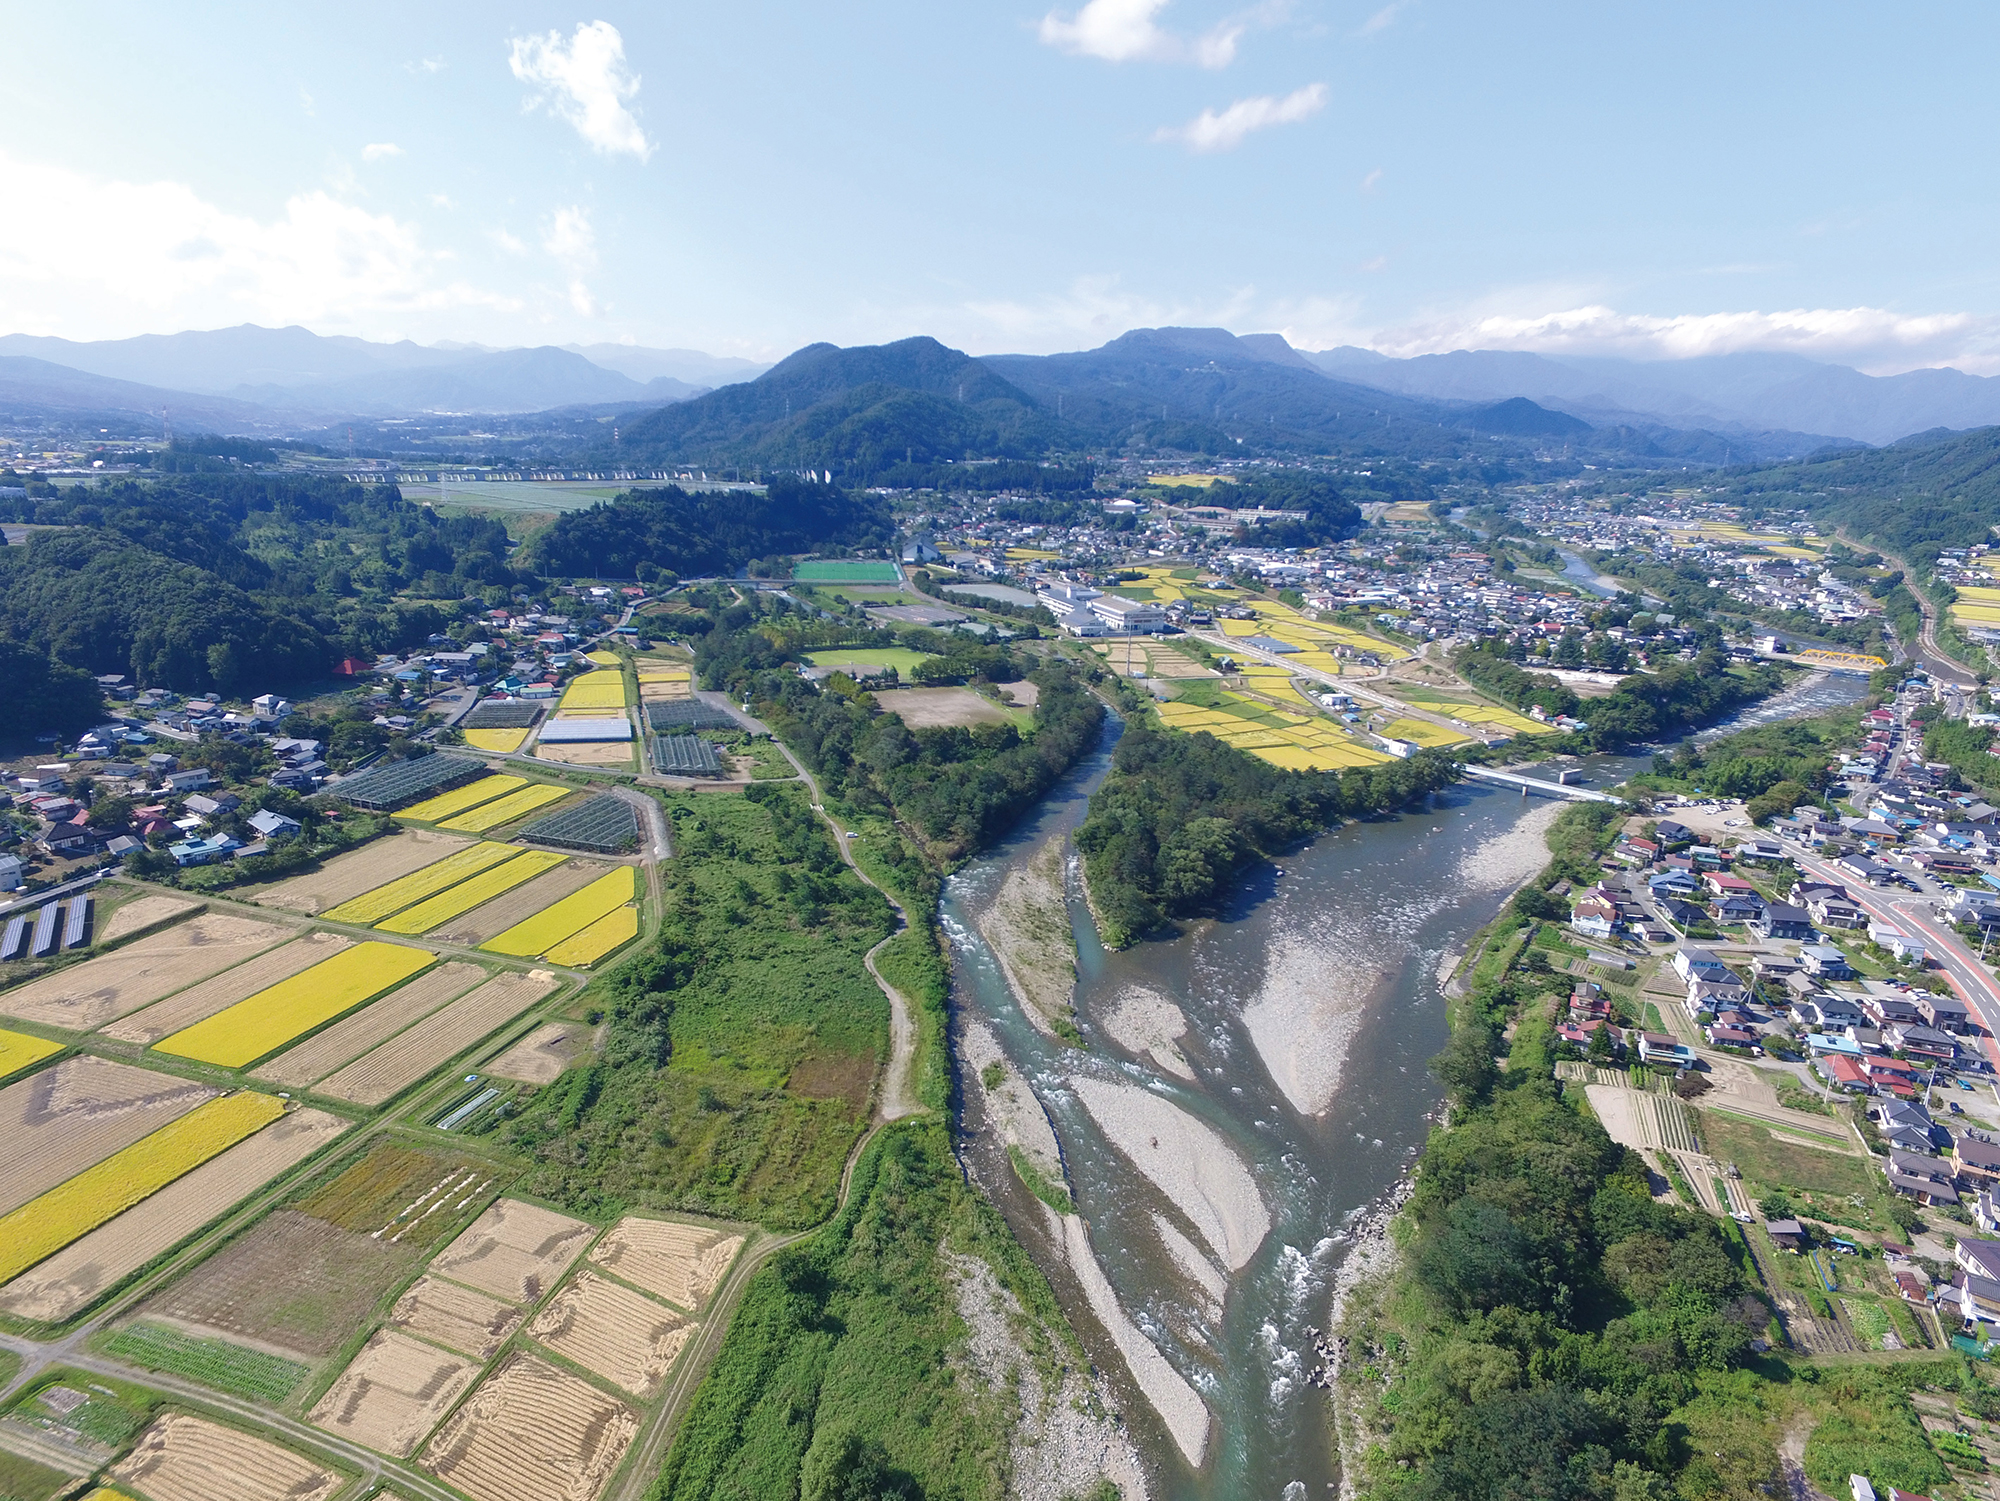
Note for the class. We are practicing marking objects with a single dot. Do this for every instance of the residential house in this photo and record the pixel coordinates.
(1921, 1178)
(1825, 961)
(1945, 1012)
(1833, 911)
(1975, 1158)
(1920, 1044)
(1842, 1072)
(1781, 921)
(1904, 946)
(1595, 914)
(1669, 1052)
(1721, 885)
(273, 825)
(192, 780)
(1716, 995)
(203, 851)
(1691, 962)
(1731, 1037)
(1986, 1211)
(1739, 909)
(1786, 1235)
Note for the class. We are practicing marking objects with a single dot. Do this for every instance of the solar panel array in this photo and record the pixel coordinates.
(73, 924)
(688, 714)
(598, 825)
(502, 714)
(15, 944)
(44, 941)
(685, 755)
(400, 782)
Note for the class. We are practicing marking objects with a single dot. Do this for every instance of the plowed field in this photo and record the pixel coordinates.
(393, 1393)
(623, 1336)
(347, 876)
(514, 1251)
(69, 1280)
(219, 992)
(182, 1458)
(378, 1076)
(456, 1317)
(137, 916)
(56, 1123)
(103, 989)
(541, 1056)
(350, 1037)
(532, 1433)
(681, 1263)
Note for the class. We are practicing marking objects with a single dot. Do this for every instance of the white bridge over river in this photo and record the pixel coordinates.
(1536, 784)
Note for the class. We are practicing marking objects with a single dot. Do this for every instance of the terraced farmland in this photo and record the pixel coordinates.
(271, 1018)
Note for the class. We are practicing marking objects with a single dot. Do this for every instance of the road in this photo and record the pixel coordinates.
(1928, 652)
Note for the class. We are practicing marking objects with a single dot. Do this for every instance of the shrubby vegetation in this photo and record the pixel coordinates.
(1775, 766)
(1679, 696)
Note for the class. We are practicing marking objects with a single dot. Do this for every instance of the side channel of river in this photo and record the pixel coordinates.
(1244, 1092)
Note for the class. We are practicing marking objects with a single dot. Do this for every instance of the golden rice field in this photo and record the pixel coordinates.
(372, 906)
(271, 1018)
(602, 937)
(470, 893)
(471, 795)
(549, 927)
(1422, 732)
(500, 742)
(1294, 741)
(44, 1225)
(18, 1051)
(514, 805)
(602, 658)
(598, 690)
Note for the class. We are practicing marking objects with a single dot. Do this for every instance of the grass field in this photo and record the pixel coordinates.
(514, 805)
(472, 892)
(18, 1051)
(609, 933)
(898, 657)
(24, 1480)
(549, 927)
(372, 906)
(228, 1368)
(47, 1223)
(1784, 1164)
(471, 795)
(845, 571)
(271, 1018)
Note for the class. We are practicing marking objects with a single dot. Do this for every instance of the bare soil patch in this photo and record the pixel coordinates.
(347, 1039)
(85, 996)
(674, 1260)
(393, 1393)
(932, 708)
(144, 912)
(541, 1056)
(183, 1458)
(376, 863)
(523, 902)
(58, 1122)
(532, 1433)
(294, 1281)
(220, 992)
(605, 753)
(71, 1279)
(379, 1076)
(514, 1251)
(456, 1317)
(621, 1335)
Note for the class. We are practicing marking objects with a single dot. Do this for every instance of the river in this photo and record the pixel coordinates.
(1312, 1005)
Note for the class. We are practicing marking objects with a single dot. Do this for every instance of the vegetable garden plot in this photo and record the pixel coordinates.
(400, 782)
(271, 1018)
(600, 825)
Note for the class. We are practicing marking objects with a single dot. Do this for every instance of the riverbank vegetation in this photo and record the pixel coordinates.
(1181, 815)
(1676, 698)
(1775, 765)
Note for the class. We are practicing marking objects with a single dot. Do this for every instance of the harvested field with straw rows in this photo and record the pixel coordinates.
(293, 1281)
(514, 1251)
(393, 1393)
(271, 1018)
(103, 989)
(472, 892)
(605, 936)
(18, 1051)
(182, 1458)
(471, 795)
(146, 912)
(545, 929)
(56, 1123)
(399, 1193)
(347, 876)
(376, 1077)
(514, 805)
(75, 1207)
(497, 916)
(219, 992)
(621, 1335)
(541, 1056)
(65, 1283)
(384, 901)
(608, 753)
(456, 1317)
(681, 1263)
(532, 1433)
(350, 1037)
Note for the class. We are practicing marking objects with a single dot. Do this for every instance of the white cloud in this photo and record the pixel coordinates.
(512, 244)
(567, 235)
(101, 259)
(443, 200)
(581, 301)
(1123, 31)
(375, 151)
(1371, 181)
(1383, 19)
(1225, 131)
(427, 65)
(586, 82)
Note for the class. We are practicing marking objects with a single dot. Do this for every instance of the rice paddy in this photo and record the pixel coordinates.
(568, 917)
(597, 690)
(271, 1018)
(74, 1208)
(605, 936)
(372, 906)
(471, 795)
(500, 742)
(507, 809)
(1422, 732)
(1294, 741)
(18, 1051)
(471, 892)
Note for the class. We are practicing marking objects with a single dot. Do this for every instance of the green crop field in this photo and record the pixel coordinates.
(1783, 1164)
(24, 1480)
(899, 657)
(212, 1362)
(845, 571)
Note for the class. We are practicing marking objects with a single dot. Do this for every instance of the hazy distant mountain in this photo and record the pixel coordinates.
(689, 365)
(1740, 392)
(509, 380)
(222, 360)
(32, 387)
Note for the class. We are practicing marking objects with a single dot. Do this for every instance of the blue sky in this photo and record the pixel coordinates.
(1655, 181)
